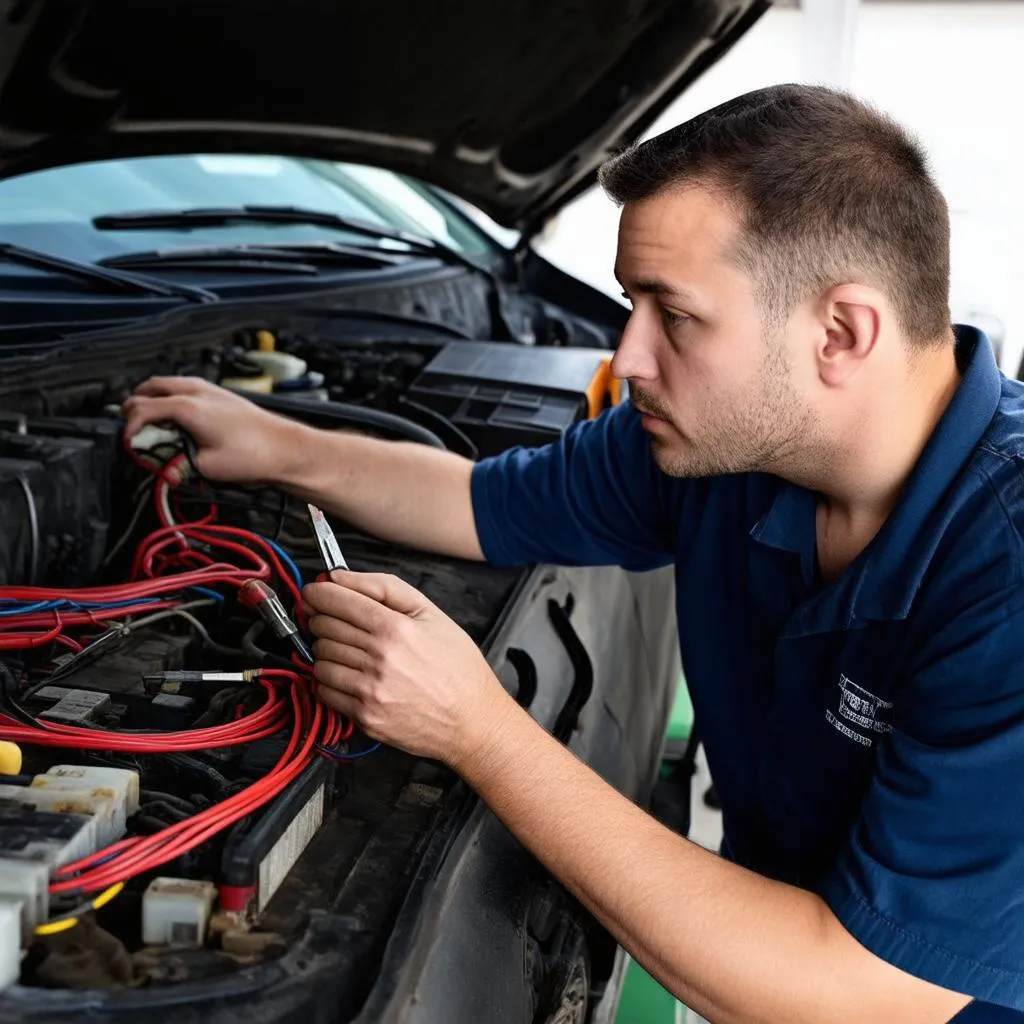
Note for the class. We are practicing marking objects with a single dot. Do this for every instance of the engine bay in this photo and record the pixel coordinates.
(175, 803)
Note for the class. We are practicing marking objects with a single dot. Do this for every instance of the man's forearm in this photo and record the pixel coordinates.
(729, 943)
(399, 491)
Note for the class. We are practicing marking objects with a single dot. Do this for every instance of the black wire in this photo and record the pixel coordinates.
(218, 705)
(33, 525)
(166, 810)
(257, 653)
(337, 414)
(280, 517)
(187, 762)
(282, 511)
(147, 796)
(442, 424)
(9, 695)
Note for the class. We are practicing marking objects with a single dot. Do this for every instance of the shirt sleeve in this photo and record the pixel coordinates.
(932, 877)
(594, 497)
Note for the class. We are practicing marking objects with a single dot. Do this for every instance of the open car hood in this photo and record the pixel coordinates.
(512, 106)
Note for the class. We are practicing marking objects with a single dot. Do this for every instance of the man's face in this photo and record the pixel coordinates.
(718, 395)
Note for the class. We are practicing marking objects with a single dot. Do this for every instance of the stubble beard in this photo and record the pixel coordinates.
(761, 433)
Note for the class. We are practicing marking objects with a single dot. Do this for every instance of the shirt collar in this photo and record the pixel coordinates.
(882, 582)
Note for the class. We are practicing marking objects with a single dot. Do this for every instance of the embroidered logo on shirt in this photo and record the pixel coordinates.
(861, 715)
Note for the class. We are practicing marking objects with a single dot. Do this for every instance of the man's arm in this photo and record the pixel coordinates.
(402, 492)
(731, 944)
(594, 497)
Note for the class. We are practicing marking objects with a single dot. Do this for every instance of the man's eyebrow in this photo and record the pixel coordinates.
(652, 286)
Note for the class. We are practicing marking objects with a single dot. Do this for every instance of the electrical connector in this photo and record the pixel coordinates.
(174, 681)
(10, 941)
(176, 911)
(255, 594)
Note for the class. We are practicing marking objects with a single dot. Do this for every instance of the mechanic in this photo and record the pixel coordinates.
(835, 471)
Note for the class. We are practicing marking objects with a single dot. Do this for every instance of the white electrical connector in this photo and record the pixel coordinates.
(27, 834)
(152, 436)
(176, 911)
(125, 781)
(28, 881)
(103, 803)
(10, 942)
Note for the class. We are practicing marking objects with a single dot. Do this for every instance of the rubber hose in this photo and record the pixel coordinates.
(343, 414)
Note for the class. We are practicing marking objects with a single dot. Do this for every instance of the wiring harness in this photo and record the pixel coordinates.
(177, 568)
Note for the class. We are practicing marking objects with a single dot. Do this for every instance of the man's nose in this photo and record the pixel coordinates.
(634, 357)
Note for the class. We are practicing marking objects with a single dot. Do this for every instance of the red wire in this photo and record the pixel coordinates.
(152, 851)
(166, 563)
(264, 721)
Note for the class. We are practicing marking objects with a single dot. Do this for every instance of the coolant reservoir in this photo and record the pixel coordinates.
(279, 366)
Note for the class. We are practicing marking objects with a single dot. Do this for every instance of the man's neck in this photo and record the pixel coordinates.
(870, 464)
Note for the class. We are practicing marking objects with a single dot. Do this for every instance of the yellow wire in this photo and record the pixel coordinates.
(63, 924)
(107, 895)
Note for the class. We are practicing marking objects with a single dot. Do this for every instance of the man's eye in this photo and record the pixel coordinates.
(673, 319)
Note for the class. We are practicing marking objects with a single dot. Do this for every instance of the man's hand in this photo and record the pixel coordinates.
(736, 947)
(398, 666)
(236, 440)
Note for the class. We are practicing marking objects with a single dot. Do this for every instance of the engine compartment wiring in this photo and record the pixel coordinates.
(181, 569)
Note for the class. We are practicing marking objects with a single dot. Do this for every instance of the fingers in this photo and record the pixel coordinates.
(343, 680)
(330, 627)
(139, 412)
(157, 387)
(332, 601)
(363, 594)
(343, 654)
(386, 588)
(340, 701)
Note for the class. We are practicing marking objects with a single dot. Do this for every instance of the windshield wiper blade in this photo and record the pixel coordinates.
(112, 280)
(211, 217)
(298, 258)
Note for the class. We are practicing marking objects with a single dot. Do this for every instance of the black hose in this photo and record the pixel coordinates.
(165, 811)
(9, 695)
(442, 425)
(342, 414)
(257, 653)
(149, 796)
(192, 764)
(33, 525)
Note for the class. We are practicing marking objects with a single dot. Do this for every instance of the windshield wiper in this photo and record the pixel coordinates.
(212, 217)
(112, 280)
(301, 258)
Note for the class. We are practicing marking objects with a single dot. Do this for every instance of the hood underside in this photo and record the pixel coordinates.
(512, 106)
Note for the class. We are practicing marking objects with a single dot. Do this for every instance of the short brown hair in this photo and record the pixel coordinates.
(829, 189)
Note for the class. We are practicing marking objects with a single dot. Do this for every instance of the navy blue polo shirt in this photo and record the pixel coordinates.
(866, 735)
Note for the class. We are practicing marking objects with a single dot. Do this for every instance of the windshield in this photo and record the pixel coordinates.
(52, 211)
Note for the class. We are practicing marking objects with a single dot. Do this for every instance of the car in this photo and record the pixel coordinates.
(292, 201)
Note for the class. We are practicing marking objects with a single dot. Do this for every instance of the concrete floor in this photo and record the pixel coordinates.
(952, 72)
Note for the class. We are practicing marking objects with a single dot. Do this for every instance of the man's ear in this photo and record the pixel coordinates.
(851, 318)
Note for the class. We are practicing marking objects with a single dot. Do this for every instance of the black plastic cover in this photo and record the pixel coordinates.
(54, 500)
(506, 395)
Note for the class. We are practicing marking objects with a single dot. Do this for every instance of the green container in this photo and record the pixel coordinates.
(680, 723)
(644, 1001)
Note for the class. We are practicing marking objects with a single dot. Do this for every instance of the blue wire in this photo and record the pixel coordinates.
(288, 561)
(338, 756)
(208, 593)
(65, 604)
(39, 606)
